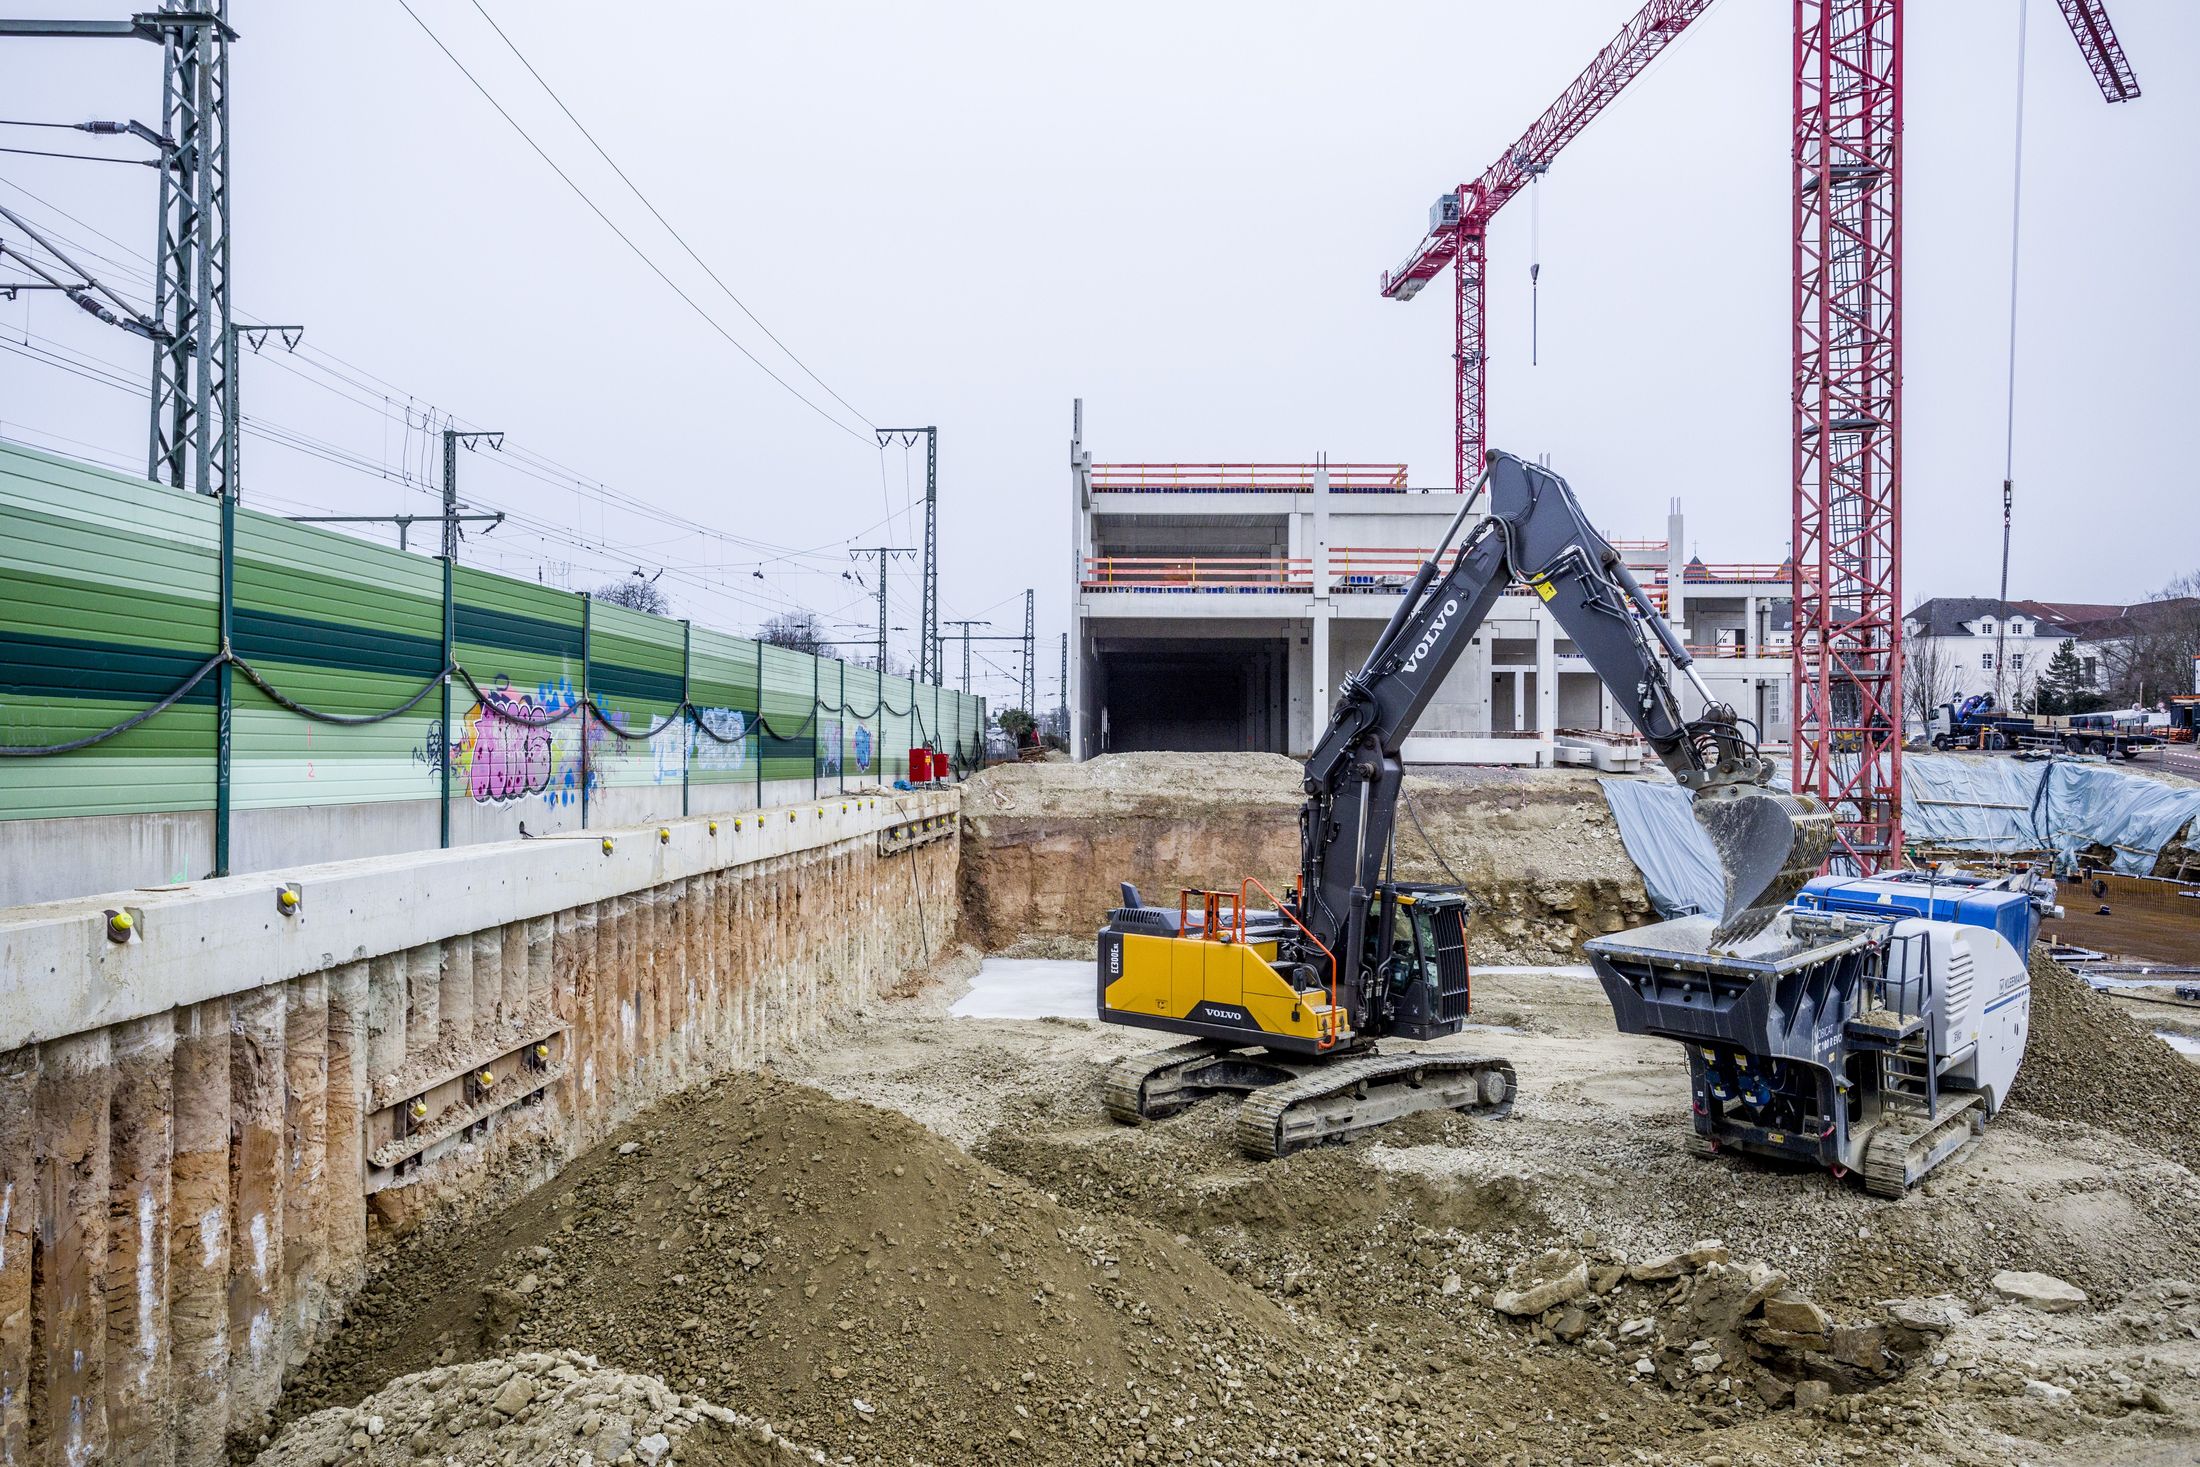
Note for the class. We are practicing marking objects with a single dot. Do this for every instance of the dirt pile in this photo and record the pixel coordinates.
(2087, 1061)
(867, 1287)
(1044, 847)
(554, 1410)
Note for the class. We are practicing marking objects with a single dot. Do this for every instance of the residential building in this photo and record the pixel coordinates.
(1219, 605)
(1953, 642)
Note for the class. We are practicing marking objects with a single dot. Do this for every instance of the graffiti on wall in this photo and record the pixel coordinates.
(516, 745)
(828, 747)
(680, 747)
(863, 748)
(522, 745)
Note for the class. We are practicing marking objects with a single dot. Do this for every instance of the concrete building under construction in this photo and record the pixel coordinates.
(1218, 606)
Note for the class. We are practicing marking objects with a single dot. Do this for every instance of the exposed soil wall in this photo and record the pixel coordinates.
(1046, 844)
(189, 1198)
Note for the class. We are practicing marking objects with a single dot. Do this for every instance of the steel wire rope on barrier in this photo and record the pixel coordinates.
(183, 690)
(345, 720)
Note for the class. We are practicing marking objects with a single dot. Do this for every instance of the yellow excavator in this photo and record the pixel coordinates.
(1285, 1002)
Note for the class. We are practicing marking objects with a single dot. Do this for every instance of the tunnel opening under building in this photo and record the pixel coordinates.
(1186, 695)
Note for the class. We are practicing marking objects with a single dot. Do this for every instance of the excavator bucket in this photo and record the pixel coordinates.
(1769, 843)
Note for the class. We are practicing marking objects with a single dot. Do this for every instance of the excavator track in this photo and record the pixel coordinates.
(1345, 1098)
(1903, 1150)
(1146, 1087)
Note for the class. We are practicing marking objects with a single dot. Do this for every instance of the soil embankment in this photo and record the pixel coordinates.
(1045, 845)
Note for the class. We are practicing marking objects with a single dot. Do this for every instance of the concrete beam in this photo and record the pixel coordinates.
(209, 939)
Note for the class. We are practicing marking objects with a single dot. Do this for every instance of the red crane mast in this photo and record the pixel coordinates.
(1847, 645)
(1459, 221)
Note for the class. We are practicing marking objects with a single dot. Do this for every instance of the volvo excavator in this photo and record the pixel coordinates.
(1287, 1003)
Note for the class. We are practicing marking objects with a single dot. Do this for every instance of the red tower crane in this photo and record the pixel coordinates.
(1458, 225)
(1847, 587)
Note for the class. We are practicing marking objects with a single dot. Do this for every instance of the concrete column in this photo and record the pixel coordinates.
(141, 1145)
(423, 1000)
(198, 1241)
(741, 951)
(1319, 697)
(1676, 567)
(515, 954)
(1546, 686)
(664, 984)
(573, 997)
(18, 1218)
(488, 993)
(257, 1348)
(388, 998)
(1750, 637)
(69, 1308)
(455, 999)
(611, 1007)
(686, 1056)
(541, 967)
(305, 1156)
(344, 1100)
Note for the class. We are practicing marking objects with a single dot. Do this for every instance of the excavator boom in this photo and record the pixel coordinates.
(1769, 842)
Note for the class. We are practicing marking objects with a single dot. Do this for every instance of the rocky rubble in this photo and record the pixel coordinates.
(531, 1410)
(1735, 1336)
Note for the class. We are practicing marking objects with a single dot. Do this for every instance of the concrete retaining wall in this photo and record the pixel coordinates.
(204, 1128)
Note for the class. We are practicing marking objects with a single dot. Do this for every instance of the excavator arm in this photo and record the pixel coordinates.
(1769, 842)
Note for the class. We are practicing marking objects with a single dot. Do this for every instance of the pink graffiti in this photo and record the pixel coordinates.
(507, 760)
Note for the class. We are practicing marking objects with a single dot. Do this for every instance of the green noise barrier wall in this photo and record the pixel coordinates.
(373, 704)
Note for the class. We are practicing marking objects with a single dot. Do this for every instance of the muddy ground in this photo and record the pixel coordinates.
(922, 1242)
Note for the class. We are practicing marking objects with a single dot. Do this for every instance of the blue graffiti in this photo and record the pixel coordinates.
(863, 748)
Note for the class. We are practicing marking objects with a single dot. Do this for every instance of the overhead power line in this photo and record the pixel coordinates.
(627, 240)
(656, 214)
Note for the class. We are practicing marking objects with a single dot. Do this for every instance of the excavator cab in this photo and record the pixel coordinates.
(1425, 976)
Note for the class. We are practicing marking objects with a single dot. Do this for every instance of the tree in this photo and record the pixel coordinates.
(2153, 658)
(1018, 725)
(635, 594)
(1928, 678)
(797, 631)
(2062, 686)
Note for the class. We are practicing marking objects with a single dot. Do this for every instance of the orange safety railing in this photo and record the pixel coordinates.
(1721, 649)
(1372, 567)
(1754, 572)
(1223, 919)
(1244, 478)
(1331, 1023)
(1198, 573)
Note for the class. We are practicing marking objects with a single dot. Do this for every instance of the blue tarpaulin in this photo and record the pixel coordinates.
(1992, 806)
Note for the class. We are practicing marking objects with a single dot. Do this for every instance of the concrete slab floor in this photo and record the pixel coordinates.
(1028, 988)
(1044, 988)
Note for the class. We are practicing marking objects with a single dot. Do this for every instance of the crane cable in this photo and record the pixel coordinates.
(2009, 440)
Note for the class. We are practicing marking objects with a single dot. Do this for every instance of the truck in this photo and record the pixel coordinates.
(1977, 723)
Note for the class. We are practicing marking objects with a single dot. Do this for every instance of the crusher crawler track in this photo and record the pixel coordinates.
(1293, 1103)
(1904, 1147)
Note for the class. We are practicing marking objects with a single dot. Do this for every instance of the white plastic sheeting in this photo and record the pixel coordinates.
(1993, 806)
(1678, 865)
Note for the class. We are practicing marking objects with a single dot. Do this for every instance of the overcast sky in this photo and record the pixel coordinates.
(968, 215)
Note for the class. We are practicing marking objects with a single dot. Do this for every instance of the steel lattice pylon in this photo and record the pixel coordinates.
(1471, 394)
(193, 433)
(1848, 420)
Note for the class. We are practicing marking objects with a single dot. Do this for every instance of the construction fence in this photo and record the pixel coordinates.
(371, 702)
